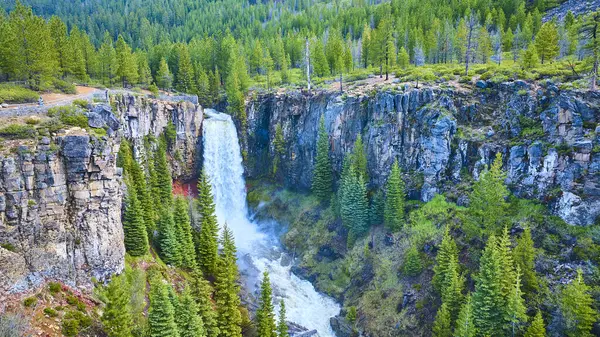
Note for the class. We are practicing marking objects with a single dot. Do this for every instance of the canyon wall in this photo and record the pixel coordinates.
(443, 138)
(61, 195)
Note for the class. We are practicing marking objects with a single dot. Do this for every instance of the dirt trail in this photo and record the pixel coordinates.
(54, 99)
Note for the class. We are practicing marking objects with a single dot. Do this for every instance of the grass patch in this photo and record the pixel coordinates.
(17, 131)
(16, 94)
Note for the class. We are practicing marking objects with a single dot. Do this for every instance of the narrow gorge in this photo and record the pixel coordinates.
(61, 195)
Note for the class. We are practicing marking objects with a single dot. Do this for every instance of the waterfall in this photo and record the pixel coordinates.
(257, 251)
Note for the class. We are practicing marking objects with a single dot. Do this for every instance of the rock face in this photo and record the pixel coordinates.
(60, 212)
(142, 117)
(445, 137)
(61, 198)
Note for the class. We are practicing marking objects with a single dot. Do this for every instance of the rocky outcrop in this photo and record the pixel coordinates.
(141, 117)
(577, 7)
(60, 212)
(61, 196)
(444, 137)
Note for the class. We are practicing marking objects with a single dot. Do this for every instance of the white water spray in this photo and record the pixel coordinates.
(223, 166)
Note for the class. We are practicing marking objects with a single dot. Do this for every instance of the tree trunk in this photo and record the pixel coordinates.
(307, 61)
(341, 85)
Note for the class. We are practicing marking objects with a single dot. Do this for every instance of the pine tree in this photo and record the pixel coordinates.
(359, 158)
(452, 291)
(185, 71)
(268, 66)
(189, 323)
(576, 304)
(447, 253)
(161, 314)
(285, 75)
(537, 328)
(319, 64)
(58, 29)
(31, 55)
(138, 177)
(126, 63)
(465, 326)
(354, 207)
(365, 47)
(264, 315)
(184, 233)
(214, 85)
(394, 200)
(590, 31)
(488, 303)
(207, 239)
(524, 256)
(412, 262)
(507, 263)
(164, 183)
(143, 68)
(201, 291)
(278, 149)
(282, 327)
(116, 318)
(235, 87)
(108, 60)
(442, 326)
(546, 42)
(202, 86)
(136, 236)
(515, 306)
(226, 289)
(167, 238)
(322, 175)
(164, 79)
(403, 58)
(530, 58)
(377, 208)
(488, 205)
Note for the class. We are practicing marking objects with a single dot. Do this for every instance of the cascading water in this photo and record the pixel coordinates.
(258, 252)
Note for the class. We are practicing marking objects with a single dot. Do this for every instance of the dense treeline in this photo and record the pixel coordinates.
(203, 47)
(207, 303)
(483, 273)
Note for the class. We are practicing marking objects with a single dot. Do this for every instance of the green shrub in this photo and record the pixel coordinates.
(412, 262)
(465, 79)
(30, 301)
(17, 131)
(74, 322)
(50, 312)
(154, 90)
(32, 120)
(8, 246)
(50, 126)
(15, 94)
(54, 287)
(82, 103)
(69, 115)
(64, 86)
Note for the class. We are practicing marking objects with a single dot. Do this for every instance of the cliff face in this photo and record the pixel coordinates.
(141, 117)
(60, 212)
(61, 196)
(443, 137)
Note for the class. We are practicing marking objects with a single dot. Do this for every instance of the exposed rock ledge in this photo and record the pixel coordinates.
(60, 197)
